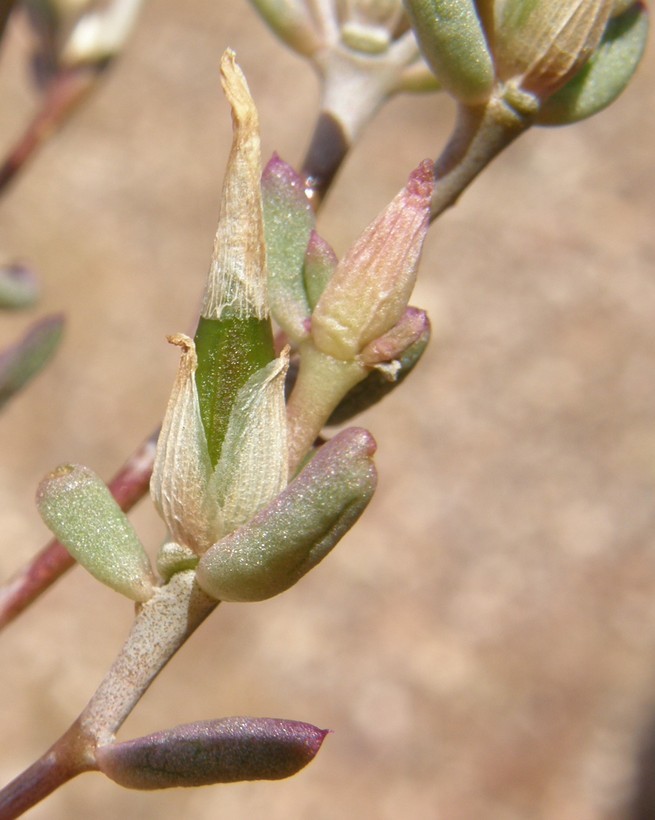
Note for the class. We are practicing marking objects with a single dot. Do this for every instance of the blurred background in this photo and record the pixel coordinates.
(483, 643)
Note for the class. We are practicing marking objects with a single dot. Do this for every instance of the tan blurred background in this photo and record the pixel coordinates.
(483, 644)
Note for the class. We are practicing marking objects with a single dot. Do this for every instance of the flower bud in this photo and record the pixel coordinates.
(293, 23)
(212, 751)
(99, 34)
(234, 337)
(453, 43)
(605, 75)
(79, 509)
(370, 288)
(297, 530)
(541, 45)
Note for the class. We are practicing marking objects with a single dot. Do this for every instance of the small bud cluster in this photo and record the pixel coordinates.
(556, 61)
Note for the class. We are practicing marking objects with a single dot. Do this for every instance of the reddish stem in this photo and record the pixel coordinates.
(66, 90)
(71, 755)
(128, 486)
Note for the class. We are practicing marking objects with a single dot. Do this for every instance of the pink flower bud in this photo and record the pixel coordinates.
(371, 286)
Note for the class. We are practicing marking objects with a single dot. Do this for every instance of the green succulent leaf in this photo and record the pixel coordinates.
(320, 263)
(76, 505)
(288, 222)
(27, 357)
(453, 43)
(297, 530)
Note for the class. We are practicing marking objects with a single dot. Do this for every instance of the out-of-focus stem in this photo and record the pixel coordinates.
(481, 133)
(353, 90)
(64, 93)
(6, 7)
(128, 486)
(327, 150)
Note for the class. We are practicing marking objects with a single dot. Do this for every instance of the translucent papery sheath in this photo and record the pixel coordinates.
(199, 504)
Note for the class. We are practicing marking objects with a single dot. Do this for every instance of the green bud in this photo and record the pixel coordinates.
(234, 337)
(212, 751)
(77, 507)
(288, 538)
(453, 43)
(173, 558)
(605, 75)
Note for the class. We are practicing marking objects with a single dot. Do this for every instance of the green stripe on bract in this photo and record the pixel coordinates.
(229, 351)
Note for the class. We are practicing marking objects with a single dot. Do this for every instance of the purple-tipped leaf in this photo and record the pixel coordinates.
(23, 360)
(19, 287)
(288, 221)
(381, 381)
(412, 327)
(213, 751)
(297, 530)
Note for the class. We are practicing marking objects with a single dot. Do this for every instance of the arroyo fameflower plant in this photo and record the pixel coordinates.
(249, 504)
(290, 339)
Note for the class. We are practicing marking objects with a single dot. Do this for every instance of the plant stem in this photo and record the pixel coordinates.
(65, 91)
(128, 486)
(321, 384)
(160, 628)
(481, 133)
(6, 7)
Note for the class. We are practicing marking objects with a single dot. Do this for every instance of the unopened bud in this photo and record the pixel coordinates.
(371, 286)
(605, 75)
(293, 23)
(100, 34)
(540, 45)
